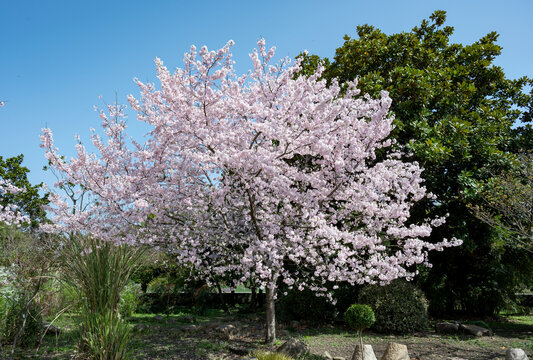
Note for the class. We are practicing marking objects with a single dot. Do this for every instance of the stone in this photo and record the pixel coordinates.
(327, 355)
(227, 331)
(395, 351)
(140, 327)
(189, 328)
(339, 358)
(51, 329)
(294, 348)
(474, 330)
(446, 328)
(368, 353)
(515, 354)
(238, 350)
(158, 318)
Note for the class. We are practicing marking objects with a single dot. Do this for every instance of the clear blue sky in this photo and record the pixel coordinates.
(57, 57)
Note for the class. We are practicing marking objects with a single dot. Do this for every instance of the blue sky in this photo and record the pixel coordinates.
(58, 57)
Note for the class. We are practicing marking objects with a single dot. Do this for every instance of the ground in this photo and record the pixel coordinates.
(172, 337)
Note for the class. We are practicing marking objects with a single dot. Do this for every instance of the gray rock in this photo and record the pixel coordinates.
(515, 354)
(238, 350)
(294, 348)
(227, 331)
(446, 328)
(474, 330)
(327, 355)
(395, 351)
(368, 353)
(189, 328)
(140, 327)
(51, 329)
(158, 318)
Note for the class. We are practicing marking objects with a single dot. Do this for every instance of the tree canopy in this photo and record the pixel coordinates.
(454, 112)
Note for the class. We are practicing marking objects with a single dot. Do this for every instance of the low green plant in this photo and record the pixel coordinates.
(400, 307)
(13, 318)
(264, 355)
(129, 299)
(105, 336)
(359, 317)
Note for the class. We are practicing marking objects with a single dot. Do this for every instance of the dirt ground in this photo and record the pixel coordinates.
(170, 338)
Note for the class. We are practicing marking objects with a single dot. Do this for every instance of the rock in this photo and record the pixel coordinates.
(158, 318)
(189, 328)
(295, 324)
(515, 354)
(368, 353)
(227, 331)
(51, 329)
(294, 348)
(186, 318)
(474, 330)
(395, 351)
(339, 358)
(327, 355)
(238, 350)
(446, 328)
(140, 327)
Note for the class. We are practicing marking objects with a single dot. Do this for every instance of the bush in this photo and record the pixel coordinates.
(304, 305)
(359, 317)
(400, 308)
(14, 318)
(129, 299)
(105, 336)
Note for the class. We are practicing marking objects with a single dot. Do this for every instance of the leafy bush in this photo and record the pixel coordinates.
(304, 305)
(359, 317)
(129, 299)
(14, 318)
(400, 307)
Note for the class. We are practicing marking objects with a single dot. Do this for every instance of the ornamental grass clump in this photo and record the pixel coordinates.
(360, 317)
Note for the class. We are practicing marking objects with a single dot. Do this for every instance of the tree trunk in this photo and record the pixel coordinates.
(222, 298)
(270, 315)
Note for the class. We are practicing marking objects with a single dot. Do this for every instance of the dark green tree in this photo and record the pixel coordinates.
(454, 112)
(30, 201)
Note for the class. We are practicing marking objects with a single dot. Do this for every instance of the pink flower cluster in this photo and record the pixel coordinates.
(10, 214)
(248, 174)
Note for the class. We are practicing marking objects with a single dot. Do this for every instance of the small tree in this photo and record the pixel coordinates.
(360, 317)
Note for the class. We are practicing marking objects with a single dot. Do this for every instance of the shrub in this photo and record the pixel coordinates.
(13, 321)
(105, 336)
(129, 299)
(359, 317)
(400, 308)
(304, 305)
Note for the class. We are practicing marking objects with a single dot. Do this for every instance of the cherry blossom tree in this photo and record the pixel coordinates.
(9, 213)
(247, 174)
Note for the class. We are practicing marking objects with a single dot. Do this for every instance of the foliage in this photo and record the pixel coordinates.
(29, 201)
(129, 299)
(265, 355)
(454, 112)
(105, 336)
(359, 317)
(400, 308)
(507, 203)
(100, 271)
(304, 305)
(11, 322)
